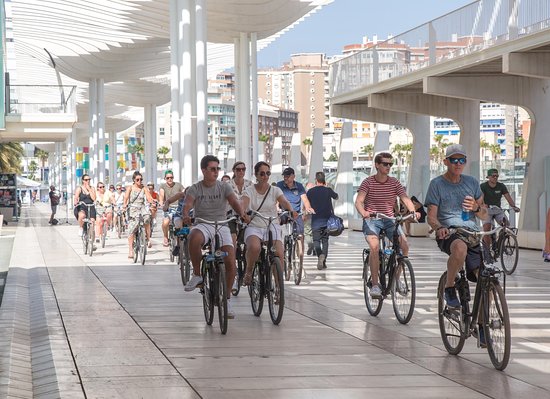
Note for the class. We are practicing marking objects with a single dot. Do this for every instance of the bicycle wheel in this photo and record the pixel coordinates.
(119, 226)
(142, 245)
(91, 239)
(451, 321)
(184, 261)
(241, 267)
(276, 291)
(207, 291)
(297, 264)
(256, 290)
(171, 243)
(221, 292)
(103, 234)
(288, 258)
(509, 253)
(136, 244)
(373, 305)
(403, 291)
(497, 326)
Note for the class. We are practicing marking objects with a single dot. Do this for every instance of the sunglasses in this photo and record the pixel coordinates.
(169, 177)
(100, 186)
(240, 169)
(493, 176)
(387, 164)
(138, 179)
(151, 186)
(456, 161)
(268, 173)
(214, 169)
(119, 188)
(86, 179)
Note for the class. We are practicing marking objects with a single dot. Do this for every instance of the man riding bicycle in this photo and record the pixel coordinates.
(455, 200)
(493, 191)
(209, 198)
(377, 194)
(168, 190)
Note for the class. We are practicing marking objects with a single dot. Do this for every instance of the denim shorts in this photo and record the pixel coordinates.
(372, 227)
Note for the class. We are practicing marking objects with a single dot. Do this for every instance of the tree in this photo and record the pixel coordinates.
(43, 158)
(333, 158)
(495, 150)
(162, 152)
(484, 146)
(368, 150)
(33, 167)
(519, 144)
(10, 157)
(136, 149)
(441, 145)
(307, 142)
(264, 138)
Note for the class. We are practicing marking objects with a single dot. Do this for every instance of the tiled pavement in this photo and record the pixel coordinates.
(79, 327)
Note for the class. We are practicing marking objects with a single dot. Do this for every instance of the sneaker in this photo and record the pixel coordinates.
(401, 288)
(235, 287)
(451, 298)
(376, 292)
(192, 283)
(230, 311)
(546, 256)
(482, 341)
(320, 261)
(310, 249)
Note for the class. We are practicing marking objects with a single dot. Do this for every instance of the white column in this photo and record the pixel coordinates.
(296, 152)
(150, 125)
(175, 120)
(344, 179)
(244, 102)
(315, 154)
(468, 120)
(277, 160)
(101, 129)
(238, 126)
(201, 79)
(71, 166)
(254, 94)
(419, 171)
(186, 95)
(59, 166)
(92, 110)
(113, 172)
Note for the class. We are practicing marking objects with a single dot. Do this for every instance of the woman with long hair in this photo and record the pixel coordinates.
(135, 200)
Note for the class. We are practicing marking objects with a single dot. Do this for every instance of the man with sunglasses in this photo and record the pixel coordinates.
(209, 198)
(295, 193)
(455, 200)
(377, 194)
(168, 190)
(493, 191)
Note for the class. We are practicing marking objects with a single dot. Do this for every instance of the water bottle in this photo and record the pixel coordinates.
(465, 215)
(388, 251)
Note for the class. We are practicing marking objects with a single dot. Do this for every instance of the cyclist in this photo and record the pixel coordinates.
(378, 193)
(177, 219)
(493, 191)
(104, 205)
(295, 193)
(155, 196)
(166, 191)
(84, 193)
(209, 198)
(451, 198)
(118, 198)
(134, 200)
(262, 197)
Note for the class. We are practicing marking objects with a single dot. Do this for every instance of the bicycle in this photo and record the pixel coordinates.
(119, 221)
(504, 243)
(292, 262)
(104, 227)
(396, 274)
(489, 316)
(88, 231)
(172, 240)
(140, 240)
(240, 257)
(267, 277)
(184, 259)
(214, 285)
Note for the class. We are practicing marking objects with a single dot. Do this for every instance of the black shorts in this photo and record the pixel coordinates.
(85, 209)
(473, 257)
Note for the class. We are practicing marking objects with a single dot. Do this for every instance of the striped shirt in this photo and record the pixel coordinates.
(380, 197)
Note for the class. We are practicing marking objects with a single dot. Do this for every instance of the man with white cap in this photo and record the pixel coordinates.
(455, 200)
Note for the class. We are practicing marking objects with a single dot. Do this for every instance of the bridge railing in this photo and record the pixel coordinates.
(40, 99)
(472, 28)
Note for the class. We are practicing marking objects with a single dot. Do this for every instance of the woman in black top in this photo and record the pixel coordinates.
(84, 193)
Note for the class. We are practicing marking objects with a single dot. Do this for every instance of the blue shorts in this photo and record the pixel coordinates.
(299, 226)
(372, 227)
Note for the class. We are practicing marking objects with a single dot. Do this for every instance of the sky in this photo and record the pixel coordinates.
(347, 21)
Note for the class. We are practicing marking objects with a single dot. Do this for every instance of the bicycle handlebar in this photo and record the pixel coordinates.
(212, 222)
(380, 215)
(83, 203)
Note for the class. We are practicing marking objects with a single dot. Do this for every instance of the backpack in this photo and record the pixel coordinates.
(54, 222)
(335, 225)
(54, 199)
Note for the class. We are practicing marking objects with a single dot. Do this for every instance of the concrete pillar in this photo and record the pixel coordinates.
(277, 160)
(468, 120)
(113, 172)
(92, 113)
(71, 166)
(382, 138)
(344, 206)
(254, 95)
(231, 154)
(296, 152)
(238, 124)
(201, 81)
(186, 76)
(150, 125)
(101, 129)
(175, 56)
(243, 101)
(315, 154)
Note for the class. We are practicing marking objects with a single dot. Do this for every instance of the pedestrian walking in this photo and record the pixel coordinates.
(54, 201)
(320, 198)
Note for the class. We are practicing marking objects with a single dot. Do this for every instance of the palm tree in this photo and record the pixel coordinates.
(495, 150)
(33, 167)
(368, 150)
(440, 144)
(484, 147)
(43, 158)
(307, 142)
(163, 151)
(519, 144)
(10, 157)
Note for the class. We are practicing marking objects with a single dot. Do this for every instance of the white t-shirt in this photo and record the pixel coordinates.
(269, 208)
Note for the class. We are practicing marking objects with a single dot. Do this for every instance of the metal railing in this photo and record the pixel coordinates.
(472, 28)
(42, 99)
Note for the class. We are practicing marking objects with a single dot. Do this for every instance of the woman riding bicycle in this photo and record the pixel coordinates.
(104, 205)
(262, 197)
(86, 194)
(135, 201)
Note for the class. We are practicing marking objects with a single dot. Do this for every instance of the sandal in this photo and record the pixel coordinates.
(165, 242)
(247, 280)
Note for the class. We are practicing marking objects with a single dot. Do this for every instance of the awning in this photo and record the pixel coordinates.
(23, 182)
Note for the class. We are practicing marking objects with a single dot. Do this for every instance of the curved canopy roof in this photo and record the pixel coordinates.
(126, 41)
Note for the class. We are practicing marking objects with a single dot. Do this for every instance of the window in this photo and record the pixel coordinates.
(161, 131)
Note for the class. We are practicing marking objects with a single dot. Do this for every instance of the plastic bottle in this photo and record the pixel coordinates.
(465, 214)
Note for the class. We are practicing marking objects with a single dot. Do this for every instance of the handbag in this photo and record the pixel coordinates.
(335, 225)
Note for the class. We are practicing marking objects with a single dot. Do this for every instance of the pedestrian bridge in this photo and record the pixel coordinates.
(492, 51)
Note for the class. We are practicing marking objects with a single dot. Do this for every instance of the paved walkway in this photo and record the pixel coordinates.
(72, 326)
